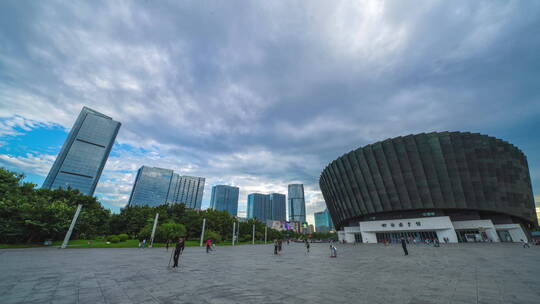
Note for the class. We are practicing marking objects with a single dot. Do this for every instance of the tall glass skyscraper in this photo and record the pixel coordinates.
(323, 221)
(84, 153)
(278, 206)
(225, 198)
(151, 187)
(190, 191)
(266, 206)
(297, 203)
(258, 207)
(157, 186)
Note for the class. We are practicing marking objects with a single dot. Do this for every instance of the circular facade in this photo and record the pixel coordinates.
(461, 175)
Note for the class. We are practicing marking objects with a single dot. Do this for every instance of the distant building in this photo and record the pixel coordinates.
(323, 221)
(258, 207)
(190, 191)
(266, 206)
(84, 153)
(152, 187)
(297, 203)
(278, 206)
(225, 198)
(158, 186)
(311, 229)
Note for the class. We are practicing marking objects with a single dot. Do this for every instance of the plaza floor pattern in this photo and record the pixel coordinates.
(372, 273)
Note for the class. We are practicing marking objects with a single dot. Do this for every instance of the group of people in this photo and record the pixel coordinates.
(278, 246)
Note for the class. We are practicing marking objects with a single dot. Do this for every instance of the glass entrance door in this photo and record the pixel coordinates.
(504, 235)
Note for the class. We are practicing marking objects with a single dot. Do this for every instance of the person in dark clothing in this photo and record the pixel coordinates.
(178, 251)
(276, 245)
(404, 245)
(167, 244)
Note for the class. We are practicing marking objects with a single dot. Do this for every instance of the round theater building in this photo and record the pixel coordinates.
(452, 186)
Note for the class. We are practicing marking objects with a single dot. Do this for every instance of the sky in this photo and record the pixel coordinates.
(261, 94)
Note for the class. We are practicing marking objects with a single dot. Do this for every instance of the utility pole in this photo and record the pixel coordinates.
(154, 230)
(233, 232)
(202, 232)
(253, 235)
(265, 233)
(70, 230)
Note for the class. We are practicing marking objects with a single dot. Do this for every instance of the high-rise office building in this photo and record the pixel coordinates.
(151, 187)
(189, 191)
(84, 153)
(278, 207)
(297, 203)
(266, 206)
(225, 198)
(323, 221)
(259, 207)
(157, 186)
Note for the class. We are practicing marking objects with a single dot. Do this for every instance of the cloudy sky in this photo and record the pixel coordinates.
(260, 94)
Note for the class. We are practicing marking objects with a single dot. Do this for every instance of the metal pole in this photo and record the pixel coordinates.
(233, 232)
(237, 232)
(265, 233)
(253, 235)
(202, 232)
(70, 230)
(154, 230)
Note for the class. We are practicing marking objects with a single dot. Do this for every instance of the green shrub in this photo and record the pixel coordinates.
(114, 239)
(110, 237)
(123, 237)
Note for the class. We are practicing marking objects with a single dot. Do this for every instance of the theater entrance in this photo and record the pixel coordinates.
(411, 236)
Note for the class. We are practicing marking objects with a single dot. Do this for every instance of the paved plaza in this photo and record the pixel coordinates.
(369, 273)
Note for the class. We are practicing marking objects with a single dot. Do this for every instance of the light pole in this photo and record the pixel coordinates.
(70, 230)
(253, 235)
(202, 232)
(154, 230)
(265, 233)
(233, 232)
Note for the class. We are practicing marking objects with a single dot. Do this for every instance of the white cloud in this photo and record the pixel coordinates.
(270, 96)
(38, 164)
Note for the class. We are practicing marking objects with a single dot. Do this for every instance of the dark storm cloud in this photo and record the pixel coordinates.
(271, 90)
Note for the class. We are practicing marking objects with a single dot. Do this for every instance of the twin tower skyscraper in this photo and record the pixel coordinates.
(272, 206)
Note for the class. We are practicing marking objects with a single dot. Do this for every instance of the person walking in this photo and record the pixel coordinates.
(178, 250)
(333, 251)
(307, 246)
(276, 246)
(525, 244)
(208, 245)
(167, 244)
(144, 243)
(404, 245)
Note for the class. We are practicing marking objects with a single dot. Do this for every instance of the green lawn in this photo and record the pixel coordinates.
(103, 244)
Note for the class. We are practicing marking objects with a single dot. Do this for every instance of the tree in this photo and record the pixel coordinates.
(212, 235)
(171, 231)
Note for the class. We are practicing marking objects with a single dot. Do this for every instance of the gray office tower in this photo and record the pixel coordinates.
(278, 206)
(157, 186)
(84, 153)
(297, 203)
(225, 198)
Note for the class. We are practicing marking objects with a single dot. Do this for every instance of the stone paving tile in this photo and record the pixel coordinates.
(456, 273)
